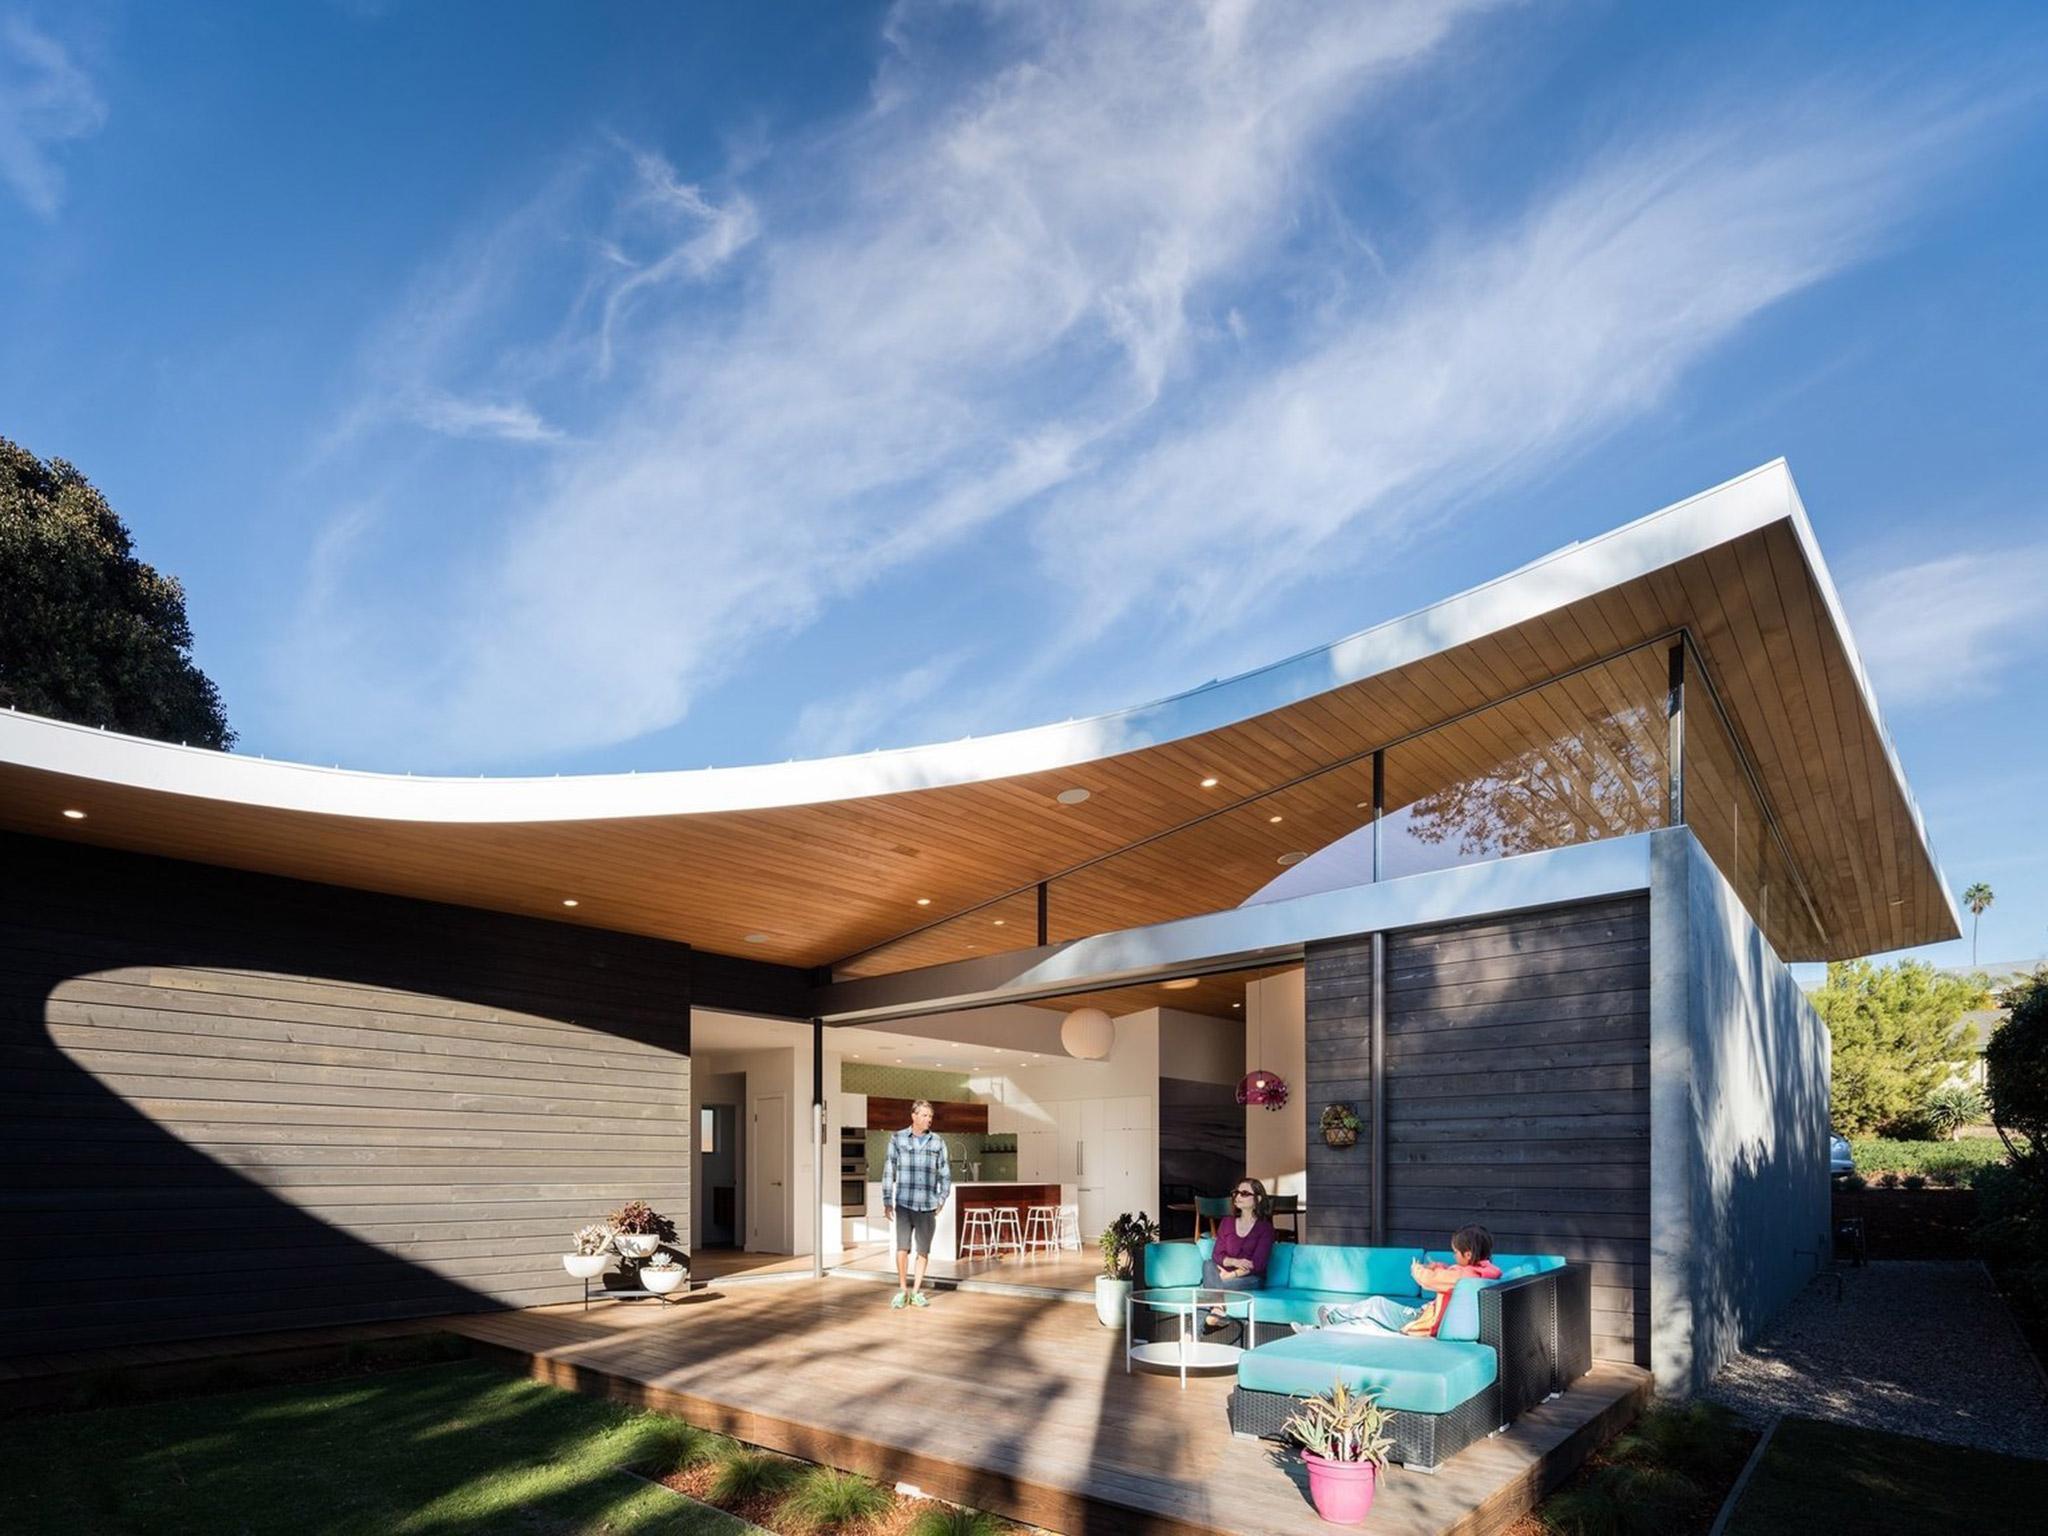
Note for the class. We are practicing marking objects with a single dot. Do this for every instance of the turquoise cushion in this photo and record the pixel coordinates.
(1361, 1271)
(1416, 1375)
(1294, 1304)
(1280, 1265)
(1175, 1263)
(1461, 1312)
(1512, 1265)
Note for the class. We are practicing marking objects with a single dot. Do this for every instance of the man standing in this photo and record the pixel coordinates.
(915, 1182)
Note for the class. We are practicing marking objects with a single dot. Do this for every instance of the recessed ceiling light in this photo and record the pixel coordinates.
(1072, 796)
(74, 815)
(1291, 858)
(1181, 984)
(757, 938)
(1237, 1005)
(924, 901)
(1000, 921)
(571, 901)
(1209, 783)
(1364, 805)
(1275, 819)
(899, 1061)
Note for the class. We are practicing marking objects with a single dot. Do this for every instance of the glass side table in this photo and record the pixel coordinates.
(1189, 1351)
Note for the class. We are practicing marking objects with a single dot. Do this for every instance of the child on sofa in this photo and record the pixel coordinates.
(1473, 1247)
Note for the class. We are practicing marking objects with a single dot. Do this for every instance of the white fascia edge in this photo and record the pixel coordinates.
(1244, 936)
(1757, 499)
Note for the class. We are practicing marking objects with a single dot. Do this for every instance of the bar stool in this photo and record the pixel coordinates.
(1008, 1235)
(1041, 1229)
(978, 1234)
(1069, 1231)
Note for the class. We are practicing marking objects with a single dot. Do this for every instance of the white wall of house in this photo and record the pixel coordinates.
(1199, 1049)
(1275, 1039)
(779, 1065)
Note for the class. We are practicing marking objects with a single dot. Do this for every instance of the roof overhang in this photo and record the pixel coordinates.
(824, 858)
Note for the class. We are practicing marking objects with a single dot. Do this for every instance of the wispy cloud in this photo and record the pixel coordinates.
(1948, 628)
(855, 720)
(507, 420)
(1034, 278)
(46, 101)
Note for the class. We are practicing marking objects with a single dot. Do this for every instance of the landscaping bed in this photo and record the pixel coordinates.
(1835, 1477)
(1667, 1475)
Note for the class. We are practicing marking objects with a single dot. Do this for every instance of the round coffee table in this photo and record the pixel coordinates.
(1190, 1351)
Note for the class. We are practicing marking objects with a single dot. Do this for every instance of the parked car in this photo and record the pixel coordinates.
(1840, 1159)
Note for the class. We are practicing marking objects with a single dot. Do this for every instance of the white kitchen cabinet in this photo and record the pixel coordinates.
(1037, 1156)
(853, 1111)
(1002, 1120)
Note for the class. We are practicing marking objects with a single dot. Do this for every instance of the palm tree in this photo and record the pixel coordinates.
(1976, 898)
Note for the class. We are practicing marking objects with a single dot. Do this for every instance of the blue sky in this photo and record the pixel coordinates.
(546, 388)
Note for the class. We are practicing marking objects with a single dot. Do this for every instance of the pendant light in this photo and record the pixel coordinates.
(1266, 1089)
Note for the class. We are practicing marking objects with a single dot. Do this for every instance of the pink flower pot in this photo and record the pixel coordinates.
(1342, 1490)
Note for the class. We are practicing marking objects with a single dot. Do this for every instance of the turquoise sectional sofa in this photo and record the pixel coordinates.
(1505, 1345)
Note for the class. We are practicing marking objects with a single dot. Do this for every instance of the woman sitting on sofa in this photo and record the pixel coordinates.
(1244, 1241)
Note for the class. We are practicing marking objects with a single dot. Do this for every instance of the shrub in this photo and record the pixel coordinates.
(2016, 1063)
(1914, 1181)
(745, 1475)
(945, 1520)
(827, 1500)
(1953, 1106)
(1855, 1181)
(663, 1445)
(1342, 1425)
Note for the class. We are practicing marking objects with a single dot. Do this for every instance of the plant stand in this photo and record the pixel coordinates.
(637, 1293)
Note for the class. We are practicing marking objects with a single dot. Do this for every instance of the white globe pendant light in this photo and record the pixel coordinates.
(1088, 1033)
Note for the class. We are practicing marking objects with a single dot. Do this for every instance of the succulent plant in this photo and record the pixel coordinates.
(640, 1219)
(663, 1259)
(1342, 1425)
(593, 1239)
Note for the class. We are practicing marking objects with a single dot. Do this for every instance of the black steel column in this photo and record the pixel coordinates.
(819, 1132)
(1674, 712)
(1379, 1012)
(1041, 914)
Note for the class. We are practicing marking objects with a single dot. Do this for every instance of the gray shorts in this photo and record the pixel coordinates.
(916, 1225)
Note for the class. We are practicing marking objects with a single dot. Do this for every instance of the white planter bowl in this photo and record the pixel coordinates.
(585, 1266)
(636, 1245)
(662, 1281)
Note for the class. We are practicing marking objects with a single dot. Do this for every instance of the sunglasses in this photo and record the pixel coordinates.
(1247, 1194)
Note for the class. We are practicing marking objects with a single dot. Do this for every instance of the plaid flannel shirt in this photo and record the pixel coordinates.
(916, 1175)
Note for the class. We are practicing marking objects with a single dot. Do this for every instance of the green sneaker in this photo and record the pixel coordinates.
(900, 1299)
(919, 1299)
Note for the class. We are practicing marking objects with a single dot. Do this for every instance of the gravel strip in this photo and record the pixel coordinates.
(1922, 1348)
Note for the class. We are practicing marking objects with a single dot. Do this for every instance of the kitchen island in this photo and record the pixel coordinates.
(1007, 1195)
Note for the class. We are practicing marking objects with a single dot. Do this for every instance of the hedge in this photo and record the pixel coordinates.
(1939, 1160)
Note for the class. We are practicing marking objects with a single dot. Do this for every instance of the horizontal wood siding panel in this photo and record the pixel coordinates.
(291, 1105)
(1517, 1093)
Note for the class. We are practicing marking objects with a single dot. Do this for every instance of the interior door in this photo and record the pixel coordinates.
(768, 1193)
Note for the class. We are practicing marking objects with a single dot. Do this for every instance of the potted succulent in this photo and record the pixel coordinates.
(1344, 1444)
(593, 1246)
(663, 1273)
(1340, 1125)
(1123, 1246)
(638, 1229)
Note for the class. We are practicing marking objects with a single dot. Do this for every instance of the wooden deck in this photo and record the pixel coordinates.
(1011, 1403)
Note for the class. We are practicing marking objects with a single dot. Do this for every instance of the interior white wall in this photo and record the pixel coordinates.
(1276, 1039)
(779, 1063)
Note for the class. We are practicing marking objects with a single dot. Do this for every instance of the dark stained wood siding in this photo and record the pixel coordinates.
(274, 1104)
(1338, 989)
(1517, 1093)
(734, 984)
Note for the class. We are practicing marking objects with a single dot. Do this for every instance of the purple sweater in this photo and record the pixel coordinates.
(1256, 1245)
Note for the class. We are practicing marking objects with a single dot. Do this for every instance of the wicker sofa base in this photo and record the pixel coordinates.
(1422, 1441)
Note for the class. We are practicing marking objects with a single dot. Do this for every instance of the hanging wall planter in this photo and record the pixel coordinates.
(1340, 1126)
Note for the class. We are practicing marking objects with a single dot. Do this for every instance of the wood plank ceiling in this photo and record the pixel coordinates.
(813, 883)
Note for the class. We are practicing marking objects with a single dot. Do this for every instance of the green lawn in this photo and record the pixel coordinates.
(433, 1451)
(1830, 1477)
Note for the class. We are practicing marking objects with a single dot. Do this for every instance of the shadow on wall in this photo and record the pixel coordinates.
(1760, 1096)
(265, 1104)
